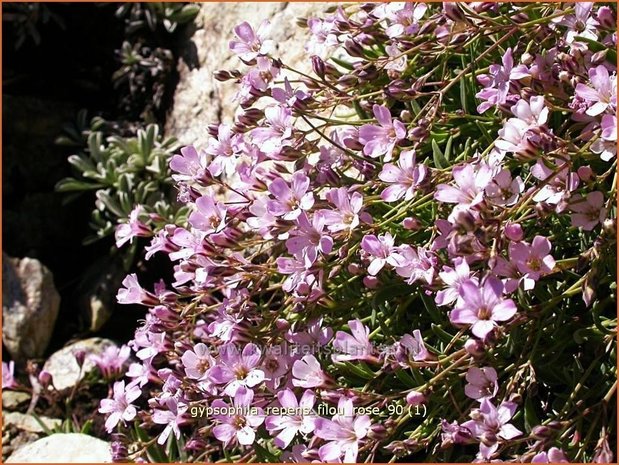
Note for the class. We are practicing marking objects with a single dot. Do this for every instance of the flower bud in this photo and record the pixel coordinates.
(541, 432)
(354, 268)
(318, 66)
(411, 223)
(599, 57)
(606, 18)
(377, 432)
(453, 11)
(585, 173)
(415, 398)
(353, 48)
(45, 379)
(527, 58)
(474, 347)
(371, 282)
(609, 226)
(513, 231)
(282, 324)
(80, 356)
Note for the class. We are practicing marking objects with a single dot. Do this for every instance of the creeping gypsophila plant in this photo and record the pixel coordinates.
(131, 178)
(407, 253)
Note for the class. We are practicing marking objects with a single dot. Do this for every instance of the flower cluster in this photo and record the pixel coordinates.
(443, 184)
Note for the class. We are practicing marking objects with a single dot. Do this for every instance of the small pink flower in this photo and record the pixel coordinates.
(349, 210)
(482, 383)
(125, 232)
(190, 165)
(111, 361)
(381, 140)
(503, 190)
(250, 43)
(588, 211)
(120, 406)
(277, 132)
(554, 455)
(471, 180)
(198, 362)
(224, 150)
(241, 421)
(308, 373)
(532, 261)
(453, 278)
(173, 416)
(238, 369)
(290, 200)
(606, 145)
(210, 216)
(343, 432)
(297, 419)
(133, 293)
(411, 349)
(353, 347)
(381, 251)
(415, 264)
(308, 239)
(491, 424)
(601, 94)
(404, 178)
(482, 307)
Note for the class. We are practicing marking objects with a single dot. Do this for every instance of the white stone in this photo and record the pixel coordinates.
(64, 448)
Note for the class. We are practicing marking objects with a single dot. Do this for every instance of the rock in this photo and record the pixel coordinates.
(30, 305)
(64, 368)
(64, 448)
(199, 99)
(11, 400)
(28, 423)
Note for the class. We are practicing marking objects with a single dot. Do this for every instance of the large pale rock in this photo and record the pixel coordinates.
(11, 400)
(29, 423)
(30, 305)
(64, 448)
(64, 368)
(199, 99)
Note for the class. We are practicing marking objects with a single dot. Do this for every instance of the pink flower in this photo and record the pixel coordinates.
(133, 293)
(404, 177)
(198, 362)
(588, 211)
(482, 383)
(497, 83)
(323, 36)
(190, 164)
(403, 17)
(381, 250)
(308, 373)
(275, 365)
(482, 307)
(349, 210)
(238, 369)
(381, 140)
(533, 261)
(241, 420)
(353, 347)
(111, 361)
(411, 349)
(343, 432)
(277, 132)
(125, 232)
(8, 375)
(308, 239)
(415, 264)
(172, 417)
(120, 406)
(290, 200)
(250, 43)
(579, 24)
(503, 190)
(491, 424)
(296, 417)
(210, 216)
(471, 180)
(224, 150)
(602, 93)
(533, 113)
(453, 278)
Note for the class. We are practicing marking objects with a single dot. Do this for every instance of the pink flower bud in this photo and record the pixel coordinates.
(415, 398)
(474, 347)
(371, 282)
(585, 173)
(513, 231)
(411, 223)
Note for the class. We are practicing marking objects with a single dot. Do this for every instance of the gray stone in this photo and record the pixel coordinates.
(29, 423)
(30, 305)
(64, 448)
(199, 99)
(13, 399)
(64, 368)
